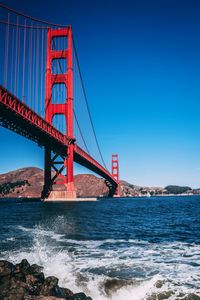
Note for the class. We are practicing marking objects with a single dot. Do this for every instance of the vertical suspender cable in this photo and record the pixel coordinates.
(37, 69)
(6, 53)
(41, 73)
(12, 60)
(33, 71)
(15, 62)
(24, 61)
(18, 63)
(30, 66)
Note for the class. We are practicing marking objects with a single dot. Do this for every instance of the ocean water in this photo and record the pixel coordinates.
(125, 249)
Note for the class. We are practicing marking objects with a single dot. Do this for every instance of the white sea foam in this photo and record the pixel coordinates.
(87, 265)
(11, 239)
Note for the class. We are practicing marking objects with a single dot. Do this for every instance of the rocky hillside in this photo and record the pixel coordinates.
(90, 185)
(22, 182)
(28, 182)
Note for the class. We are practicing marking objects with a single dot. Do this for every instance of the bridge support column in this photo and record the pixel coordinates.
(47, 172)
(59, 167)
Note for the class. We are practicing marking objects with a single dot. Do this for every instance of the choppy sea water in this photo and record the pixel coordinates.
(134, 248)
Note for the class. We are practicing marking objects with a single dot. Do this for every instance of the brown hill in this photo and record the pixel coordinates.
(25, 182)
(90, 185)
(28, 182)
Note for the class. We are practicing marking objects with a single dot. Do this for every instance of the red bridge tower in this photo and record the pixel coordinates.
(59, 184)
(115, 173)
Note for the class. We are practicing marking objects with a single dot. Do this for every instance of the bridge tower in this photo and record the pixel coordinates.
(59, 172)
(115, 173)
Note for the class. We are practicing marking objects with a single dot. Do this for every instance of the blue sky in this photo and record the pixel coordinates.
(140, 61)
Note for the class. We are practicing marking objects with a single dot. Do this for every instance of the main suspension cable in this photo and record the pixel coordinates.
(19, 13)
(87, 105)
(23, 25)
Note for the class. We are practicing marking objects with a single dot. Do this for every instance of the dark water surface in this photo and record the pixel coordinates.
(137, 241)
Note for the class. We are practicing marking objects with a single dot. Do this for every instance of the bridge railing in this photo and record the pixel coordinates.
(13, 104)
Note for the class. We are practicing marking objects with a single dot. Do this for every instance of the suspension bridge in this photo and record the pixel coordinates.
(43, 98)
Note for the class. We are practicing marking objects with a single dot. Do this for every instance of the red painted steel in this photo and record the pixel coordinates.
(13, 105)
(60, 149)
(47, 135)
(83, 158)
(115, 172)
(66, 109)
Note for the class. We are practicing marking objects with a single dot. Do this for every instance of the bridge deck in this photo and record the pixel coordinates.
(18, 117)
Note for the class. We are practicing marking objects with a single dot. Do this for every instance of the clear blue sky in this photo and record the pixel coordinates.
(141, 65)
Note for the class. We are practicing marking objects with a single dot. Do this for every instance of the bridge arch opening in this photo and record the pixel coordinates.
(59, 66)
(59, 122)
(59, 93)
(59, 43)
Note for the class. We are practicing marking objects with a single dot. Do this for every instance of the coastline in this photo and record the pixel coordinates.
(37, 199)
(24, 281)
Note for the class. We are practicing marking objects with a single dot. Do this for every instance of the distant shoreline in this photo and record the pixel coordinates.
(27, 183)
(36, 199)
